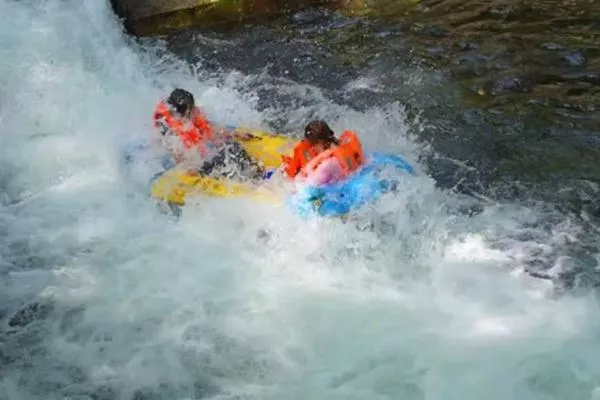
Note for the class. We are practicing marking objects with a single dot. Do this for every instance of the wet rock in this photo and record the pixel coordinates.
(538, 102)
(475, 65)
(467, 46)
(29, 313)
(588, 77)
(473, 116)
(538, 266)
(575, 59)
(508, 85)
(539, 275)
(432, 31)
(470, 210)
(590, 140)
(436, 50)
(308, 16)
(343, 22)
(304, 60)
(387, 33)
(476, 58)
(552, 46)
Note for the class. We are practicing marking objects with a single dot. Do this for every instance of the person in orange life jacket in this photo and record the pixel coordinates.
(183, 127)
(320, 158)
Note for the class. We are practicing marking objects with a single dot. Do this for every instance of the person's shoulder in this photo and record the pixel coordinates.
(349, 136)
(161, 109)
(302, 144)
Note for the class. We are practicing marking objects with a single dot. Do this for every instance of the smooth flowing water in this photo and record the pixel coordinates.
(423, 296)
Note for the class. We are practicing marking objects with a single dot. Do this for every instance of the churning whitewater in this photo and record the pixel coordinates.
(104, 297)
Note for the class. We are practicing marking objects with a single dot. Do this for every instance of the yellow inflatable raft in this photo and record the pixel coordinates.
(174, 186)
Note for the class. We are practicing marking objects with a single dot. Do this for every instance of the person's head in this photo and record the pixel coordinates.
(318, 133)
(182, 101)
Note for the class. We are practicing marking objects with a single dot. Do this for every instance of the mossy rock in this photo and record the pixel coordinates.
(151, 21)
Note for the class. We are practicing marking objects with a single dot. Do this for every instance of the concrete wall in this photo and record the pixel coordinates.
(156, 17)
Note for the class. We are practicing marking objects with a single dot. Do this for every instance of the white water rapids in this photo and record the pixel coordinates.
(144, 307)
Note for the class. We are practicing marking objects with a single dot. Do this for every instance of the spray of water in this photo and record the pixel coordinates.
(410, 300)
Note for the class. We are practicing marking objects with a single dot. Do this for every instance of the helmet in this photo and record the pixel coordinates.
(319, 131)
(181, 100)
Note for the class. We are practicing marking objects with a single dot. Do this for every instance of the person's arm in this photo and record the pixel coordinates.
(229, 135)
(161, 128)
(292, 165)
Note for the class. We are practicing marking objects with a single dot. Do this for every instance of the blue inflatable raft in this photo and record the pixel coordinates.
(365, 186)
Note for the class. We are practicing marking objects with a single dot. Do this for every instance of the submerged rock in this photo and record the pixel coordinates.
(575, 59)
(552, 46)
(508, 85)
(432, 31)
(29, 313)
(467, 46)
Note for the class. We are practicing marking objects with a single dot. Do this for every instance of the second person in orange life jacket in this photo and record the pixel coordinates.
(320, 158)
(185, 131)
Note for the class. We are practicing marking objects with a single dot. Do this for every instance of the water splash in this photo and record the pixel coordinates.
(104, 297)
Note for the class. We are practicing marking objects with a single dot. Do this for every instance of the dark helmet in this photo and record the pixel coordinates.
(319, 131)
(181, 100)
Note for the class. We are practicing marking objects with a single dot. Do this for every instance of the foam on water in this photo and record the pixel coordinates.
(410, 300)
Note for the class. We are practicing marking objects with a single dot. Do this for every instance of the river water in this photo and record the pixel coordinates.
(460, 286)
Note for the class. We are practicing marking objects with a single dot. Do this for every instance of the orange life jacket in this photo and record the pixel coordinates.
(303, 153)
(195, 134)
(349, 154)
